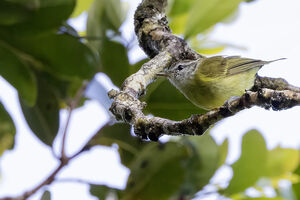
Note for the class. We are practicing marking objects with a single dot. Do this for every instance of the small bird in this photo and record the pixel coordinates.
(209, 82)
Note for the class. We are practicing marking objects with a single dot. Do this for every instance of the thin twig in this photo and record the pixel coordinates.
(47, 181)
(73, 104)
(64, 159)
(75, 180)
(63, 144)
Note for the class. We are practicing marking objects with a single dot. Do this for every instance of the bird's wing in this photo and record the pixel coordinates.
(219, 67)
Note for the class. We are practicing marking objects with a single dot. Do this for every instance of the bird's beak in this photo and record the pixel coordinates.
(163, 74)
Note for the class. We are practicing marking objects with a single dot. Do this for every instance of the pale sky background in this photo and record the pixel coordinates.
(269, 29)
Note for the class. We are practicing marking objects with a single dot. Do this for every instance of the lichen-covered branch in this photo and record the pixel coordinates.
(156, 39)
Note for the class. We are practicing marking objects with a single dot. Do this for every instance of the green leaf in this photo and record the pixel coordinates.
(180, 7)
(129, 146)
(17, 73)
(41, 15)
(296, 186)
(81, 6)
(63, 55)
(281, 161)
(97, 24)
(261, 198)
(104, 15)
(157, 172)
(102, 192)
(204, 14)
(223, 149)
(178, 23)
(11, 13)
(7, 130)
(166, 101)
(46, 195)
(114, 61)
(251, 165)
(43, 117)
(115, 13)
(202, 165)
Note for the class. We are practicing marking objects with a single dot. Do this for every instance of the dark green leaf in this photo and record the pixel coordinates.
(104, 16)
(166, 101)
(43, 117)
(251, 165)
(16, 72)
(41, 15)
(129, 146)
(202, 165)
(7, 130)
(103, 191)
(63, 55)
(114, 61)
(157, 173)
(46, 195)
(204, 14)
(11, 13)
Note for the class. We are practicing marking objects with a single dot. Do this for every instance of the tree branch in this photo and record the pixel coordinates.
(64, 159)
(156, 39)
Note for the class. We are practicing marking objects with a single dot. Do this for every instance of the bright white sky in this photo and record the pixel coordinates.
(269, 29)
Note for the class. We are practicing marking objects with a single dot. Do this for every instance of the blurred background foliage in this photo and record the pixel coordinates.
(47, 61)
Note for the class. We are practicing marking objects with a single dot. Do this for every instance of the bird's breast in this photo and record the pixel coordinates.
(213, 93)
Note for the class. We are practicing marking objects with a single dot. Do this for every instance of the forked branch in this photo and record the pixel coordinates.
(164, 49)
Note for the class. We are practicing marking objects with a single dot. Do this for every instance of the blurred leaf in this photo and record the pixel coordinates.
(211, 50)
(43, 117)
(204, 14)
(81, 5)
(102, 192)
(223, 149)
(7, 130)
(202, 165)
(38, 13)
(166, 101)
(63, 55)
(115, 13)
(296, 186)
(180, 7)
(103, 15)
(260, 198)
(251, 165)
(18, 74)
(178, 23)
(11, 13)
(281, 161)
(114, 61)
(97, 24)
(46, 195)
(157, 172)
(129, 146)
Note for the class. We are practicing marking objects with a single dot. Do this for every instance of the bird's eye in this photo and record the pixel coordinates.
(180, 67)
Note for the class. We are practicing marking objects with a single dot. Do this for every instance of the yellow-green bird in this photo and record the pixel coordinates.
(209, 82)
